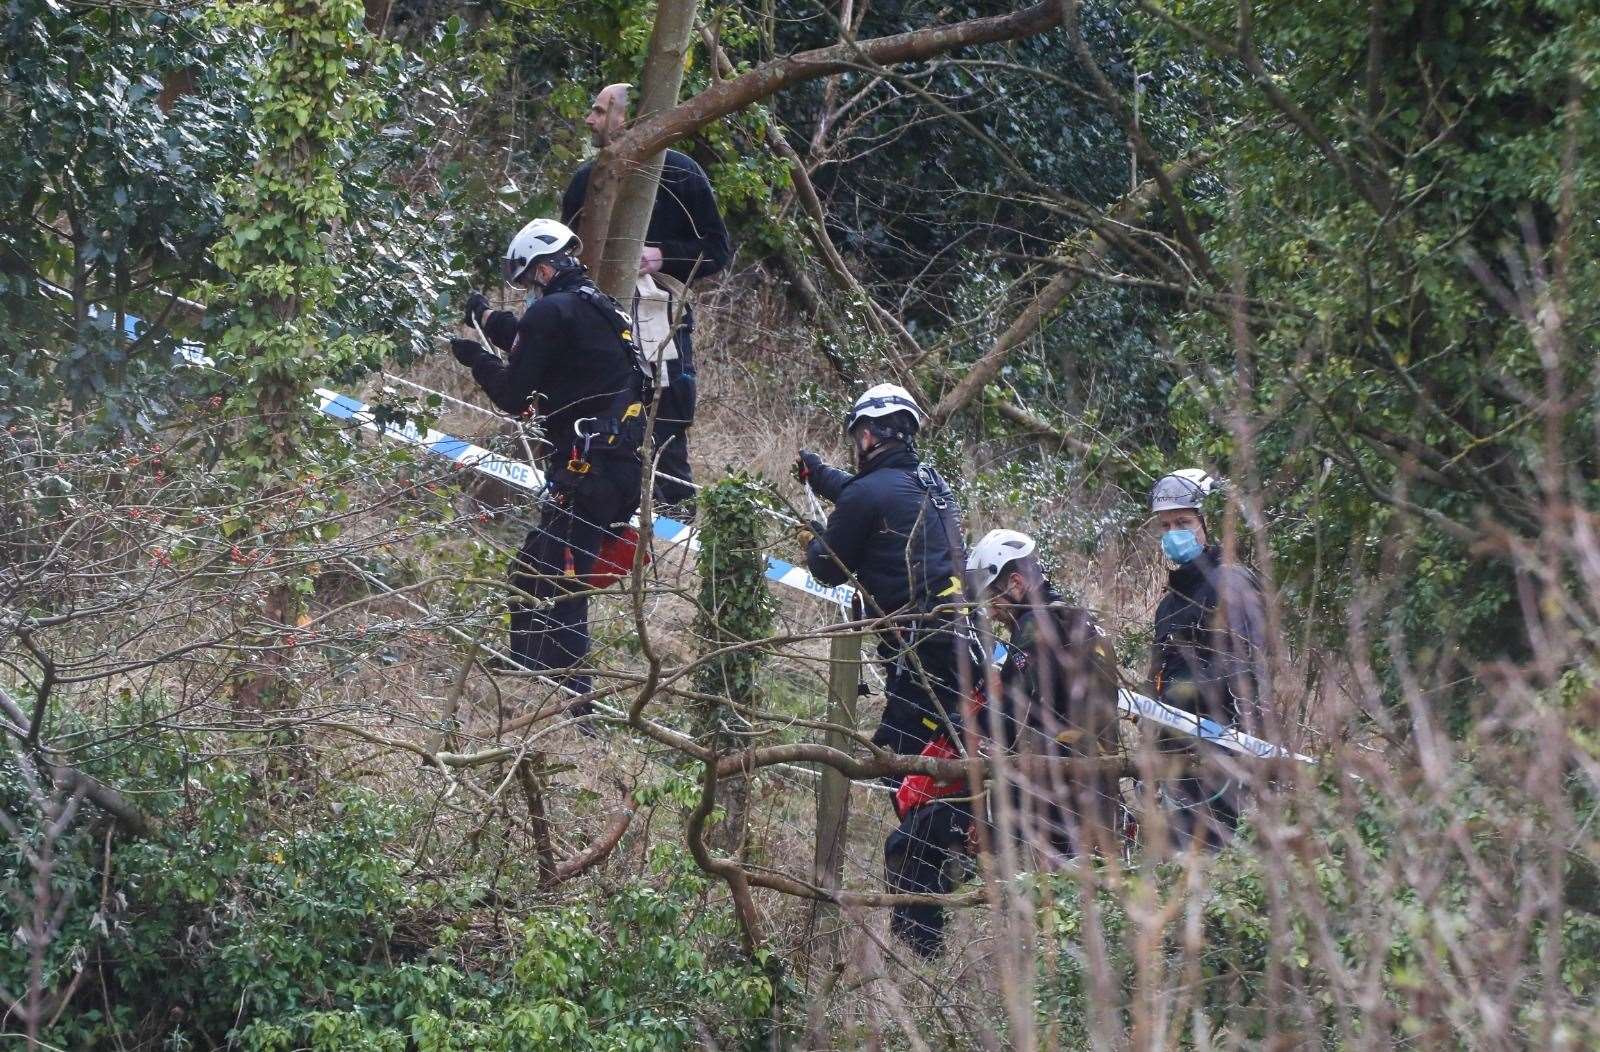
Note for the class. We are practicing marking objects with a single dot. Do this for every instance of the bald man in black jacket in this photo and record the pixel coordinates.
(686, 240)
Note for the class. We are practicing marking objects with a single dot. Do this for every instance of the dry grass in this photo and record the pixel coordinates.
(373, 675)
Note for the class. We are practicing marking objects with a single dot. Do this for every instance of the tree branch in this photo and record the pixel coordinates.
(656, 133)
(71, 780)
(1055, 292)
(886, 324)
(602, 846)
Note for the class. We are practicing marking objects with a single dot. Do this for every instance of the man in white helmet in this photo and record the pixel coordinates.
(1058, 698)
(1057, 701)
(570, 360)
(1208, 651)
(896, 531)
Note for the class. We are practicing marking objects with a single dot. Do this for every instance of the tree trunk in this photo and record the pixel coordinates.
(653, 133)
(819, 950)
(734, 608)
(636, 179)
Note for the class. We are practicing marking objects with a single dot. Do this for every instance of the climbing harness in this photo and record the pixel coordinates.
(943, 501)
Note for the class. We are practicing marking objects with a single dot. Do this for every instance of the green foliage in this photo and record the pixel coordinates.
(267, 924)
(225, 913)
(630, 972)
(401, 247)
(116, 126)
(1326, 943)
(735, 603)
(128, 138)
(1402, 368)
(275, 248)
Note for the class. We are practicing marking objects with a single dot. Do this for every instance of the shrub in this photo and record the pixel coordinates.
(271, 924)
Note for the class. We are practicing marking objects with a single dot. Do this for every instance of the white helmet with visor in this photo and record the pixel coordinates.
(538, 240)
(990, 556)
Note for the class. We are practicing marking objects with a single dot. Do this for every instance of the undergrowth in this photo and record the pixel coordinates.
(294, 919)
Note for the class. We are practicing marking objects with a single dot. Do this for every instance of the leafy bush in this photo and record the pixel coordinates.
(275, 924)
(1301, 943)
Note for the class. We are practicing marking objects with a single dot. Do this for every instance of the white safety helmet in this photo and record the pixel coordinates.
(540, 238)
(1186, 488)
(883, 400)
(997, 550)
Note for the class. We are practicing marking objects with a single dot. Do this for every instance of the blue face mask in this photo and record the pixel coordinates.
(1181, 546)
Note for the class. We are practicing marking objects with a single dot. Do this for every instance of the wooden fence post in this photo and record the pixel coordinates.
(833, 806)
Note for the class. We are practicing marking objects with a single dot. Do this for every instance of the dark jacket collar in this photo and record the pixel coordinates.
(895, 455)
(567, 280)
(1031, 612)
(1188, 578)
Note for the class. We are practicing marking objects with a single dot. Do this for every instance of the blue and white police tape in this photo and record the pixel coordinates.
(455, 450)
(1230, 738)
(672, 532)
(530, 478)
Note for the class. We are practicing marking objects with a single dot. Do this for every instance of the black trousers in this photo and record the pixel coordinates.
(673, 473)
(1061, 818)
(1204, 803)
(919, 857)
(674, 416)
(555, 557)
(1204, 808)
(922, 694)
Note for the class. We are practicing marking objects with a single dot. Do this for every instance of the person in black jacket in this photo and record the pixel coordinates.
(1208, 654)
(1057, 700)
(686, 240)
(896, 531)
(569, 360)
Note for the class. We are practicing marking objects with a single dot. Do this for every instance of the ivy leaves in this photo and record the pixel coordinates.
(307, 107)
(735, 604)
(150, 148)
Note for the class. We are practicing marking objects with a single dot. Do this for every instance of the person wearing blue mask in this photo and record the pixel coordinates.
(1208, 652)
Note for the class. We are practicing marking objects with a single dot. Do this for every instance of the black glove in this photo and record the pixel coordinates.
(477, 307)
(807, 465)
(467, 352)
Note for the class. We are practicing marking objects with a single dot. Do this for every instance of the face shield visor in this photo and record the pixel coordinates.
(516, 271)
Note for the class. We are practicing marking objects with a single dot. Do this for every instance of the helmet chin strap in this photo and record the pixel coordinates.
(884, 436)
(558, 264)
(534, 288)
